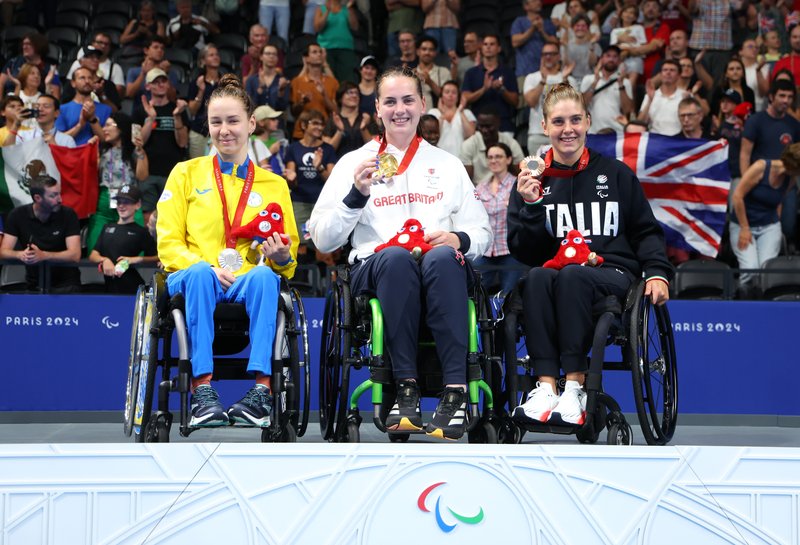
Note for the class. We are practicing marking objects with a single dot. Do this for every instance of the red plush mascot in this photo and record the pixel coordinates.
(411, 236)
(574, 250)
(264, 225)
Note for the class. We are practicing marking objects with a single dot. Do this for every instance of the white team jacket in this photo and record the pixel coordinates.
(435, 190)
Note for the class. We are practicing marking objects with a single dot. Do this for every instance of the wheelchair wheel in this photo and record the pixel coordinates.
(147, 376)
(508, 433)
(484, 433)
(620, 434)
(335, 347)
(303, 374)
(587, 438)
(287, 434)
(399, 437)
(353, 435)
(654, 369)
(138, 338)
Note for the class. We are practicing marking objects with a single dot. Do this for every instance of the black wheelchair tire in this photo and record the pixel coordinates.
(302, 374)
(353, 434)
(484, 433)
(162, 432)
(620, 434)
(655, 380)
(334, 347)
(134, 360)
(587, 438)
(399, 437)
(286, 434)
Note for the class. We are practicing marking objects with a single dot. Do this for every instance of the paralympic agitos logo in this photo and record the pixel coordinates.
(440, 521)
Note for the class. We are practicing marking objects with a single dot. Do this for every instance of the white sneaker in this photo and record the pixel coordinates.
(539, 405)
(571, 406)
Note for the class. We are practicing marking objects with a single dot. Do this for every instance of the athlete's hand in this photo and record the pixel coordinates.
(362, 176)
(273, 248)
(224, 276)
(657, 290)
(529, 186)
(443, 238)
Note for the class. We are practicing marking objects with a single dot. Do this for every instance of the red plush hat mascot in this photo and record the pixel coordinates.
(574, 250)
(411, 236)
(264, 225)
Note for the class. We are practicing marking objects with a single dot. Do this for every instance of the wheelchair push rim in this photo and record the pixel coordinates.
(334, 347)
(653, 370)
(302, 359)
(134, 360)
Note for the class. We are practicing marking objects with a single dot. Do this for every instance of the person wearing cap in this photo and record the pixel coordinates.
(267, 85)
(124, 244)
(734, 78)
(730, 126)
(165, 135)
(112, 70)
(104, 90)
(122, 161)
(367, 84)
(607, 92)
(154, 52)
(82, 118)
(268, 131)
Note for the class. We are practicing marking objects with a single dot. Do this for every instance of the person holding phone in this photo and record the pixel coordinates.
(46, 111)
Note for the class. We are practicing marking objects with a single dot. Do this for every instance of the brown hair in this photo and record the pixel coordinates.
(231, 86)
(562, 91)
(790, 157)
(25, 73)
(399, 71)
(308, 115)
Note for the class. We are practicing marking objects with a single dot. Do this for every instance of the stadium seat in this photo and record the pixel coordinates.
(72, 19)
(12, 278)
(65, 37)
(781, 278)
(233, 42)
(11, 37)
(122, 8)
(78, 6)
(702, 279)
(113, 21)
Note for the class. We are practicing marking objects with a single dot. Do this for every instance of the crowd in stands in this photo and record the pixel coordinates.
(135, 77)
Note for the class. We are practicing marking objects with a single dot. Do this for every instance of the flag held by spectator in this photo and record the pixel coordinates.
(75, 168)
(686, 181)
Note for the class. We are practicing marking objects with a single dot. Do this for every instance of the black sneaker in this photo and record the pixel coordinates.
(405, 414)
(450, 417)
(253, 409)
(207, 411)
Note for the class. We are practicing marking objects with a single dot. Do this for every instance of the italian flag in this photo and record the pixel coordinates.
(75, 168)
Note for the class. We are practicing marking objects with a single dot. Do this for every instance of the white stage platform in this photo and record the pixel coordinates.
(415, 494)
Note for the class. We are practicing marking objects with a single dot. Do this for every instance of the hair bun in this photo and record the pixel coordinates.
(230, 80)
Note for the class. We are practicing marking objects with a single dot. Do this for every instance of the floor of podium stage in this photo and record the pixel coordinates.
(687, 435)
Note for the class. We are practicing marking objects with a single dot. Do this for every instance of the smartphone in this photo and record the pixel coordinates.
(29, 113)
(136, 131)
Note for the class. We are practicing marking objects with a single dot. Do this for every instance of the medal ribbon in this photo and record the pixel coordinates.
(230, 240)
(409, 155)
(560, 173)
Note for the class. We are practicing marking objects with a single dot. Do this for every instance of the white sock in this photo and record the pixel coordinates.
(572, 385)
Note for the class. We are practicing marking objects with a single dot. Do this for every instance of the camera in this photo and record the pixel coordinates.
(30, 113)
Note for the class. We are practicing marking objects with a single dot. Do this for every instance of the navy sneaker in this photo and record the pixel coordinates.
(253, 409)
(450, 418)
(207, 411)
(405, 414)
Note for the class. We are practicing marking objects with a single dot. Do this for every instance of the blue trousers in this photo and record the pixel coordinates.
(401, 284)
(258, 290)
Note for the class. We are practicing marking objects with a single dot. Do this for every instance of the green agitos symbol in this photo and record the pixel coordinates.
(443, 526)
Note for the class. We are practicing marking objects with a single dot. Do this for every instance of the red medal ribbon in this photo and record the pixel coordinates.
(561, 173)
(410, 152)
(230, 240)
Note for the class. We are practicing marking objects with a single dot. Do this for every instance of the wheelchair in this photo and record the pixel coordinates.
(353, 339)
(157, 316)
(643, 332)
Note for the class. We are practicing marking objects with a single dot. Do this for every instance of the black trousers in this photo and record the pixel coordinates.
(401, 285)
(557, 306)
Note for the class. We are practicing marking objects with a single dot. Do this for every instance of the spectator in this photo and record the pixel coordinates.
(309, 162)
(26, 87)
(154, 52)
(688, 83)
(267, 85)
(733, 79)
(10, 110)
(729, 126)
(48, 108)
(429, 129)
(407, 51)
(165, 136)
(347, 129)
(312, 89)
(308, 17)
(690, 116)
(123, 163)
(83, 117)
(367, 84)
(473, 152)
(250, 63)
(404, 17)
(608, 93)
(112, 71)
(657, 36)
(772, 49)
(208, 62)
(564, 20)
(432, 75)
(495, 192)
(491, 84)
(267, 131)
(660, 107)
(630, 37)
(456, 121)
(142, 29)
(711, 31)
(756, 73)
(124, 244)
(529, 33)
(792, 60)
(675, 14)
(755, 228)
(441, 22)
(189, 31)
(104, 90)
(276, 11)
(34, 49)
(580, 50)
(678, 49)
(44, 231)
(335, 23)
(471, 58)
(551, 72)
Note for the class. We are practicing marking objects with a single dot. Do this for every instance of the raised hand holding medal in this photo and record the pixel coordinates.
(529, 183)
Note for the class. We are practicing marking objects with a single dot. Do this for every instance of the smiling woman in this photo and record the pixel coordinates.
(204, 201)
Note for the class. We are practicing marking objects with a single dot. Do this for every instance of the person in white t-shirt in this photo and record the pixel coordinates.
(607, 92)
(660, 107)
(456, 121)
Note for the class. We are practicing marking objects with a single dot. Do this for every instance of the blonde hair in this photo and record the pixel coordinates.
(562, 91)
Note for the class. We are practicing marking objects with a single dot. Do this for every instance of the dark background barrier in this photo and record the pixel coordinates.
(69, 353)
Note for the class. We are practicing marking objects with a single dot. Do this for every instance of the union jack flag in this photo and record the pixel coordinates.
(685, 180)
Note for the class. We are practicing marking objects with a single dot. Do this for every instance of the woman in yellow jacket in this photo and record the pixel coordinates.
(204, 201)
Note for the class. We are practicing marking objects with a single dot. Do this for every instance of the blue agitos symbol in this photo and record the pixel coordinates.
(444, 526)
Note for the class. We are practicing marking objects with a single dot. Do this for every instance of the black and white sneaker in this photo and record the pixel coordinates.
(207, 411)
(405, 414)
(450, 418)
(253, 409)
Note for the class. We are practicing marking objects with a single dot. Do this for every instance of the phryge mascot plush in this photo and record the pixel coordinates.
(574, 250)
(411, 236)
(263, 226)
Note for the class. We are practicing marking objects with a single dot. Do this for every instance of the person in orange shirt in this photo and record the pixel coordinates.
(312, 89)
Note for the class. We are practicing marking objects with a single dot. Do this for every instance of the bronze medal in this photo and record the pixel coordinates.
(534, 163)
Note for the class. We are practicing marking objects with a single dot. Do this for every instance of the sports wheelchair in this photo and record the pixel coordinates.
(157, 316)
(352, 338)
(643, 332)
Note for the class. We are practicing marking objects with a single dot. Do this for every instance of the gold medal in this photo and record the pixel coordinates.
(230, 260)
(534, 163)
(387, 165)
